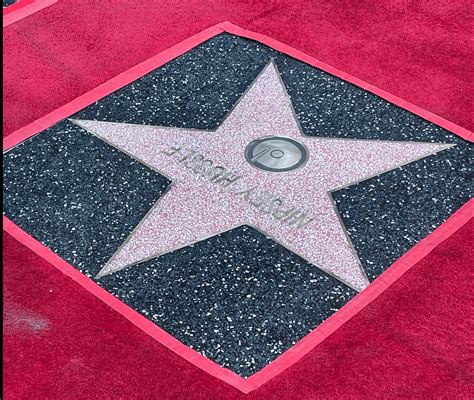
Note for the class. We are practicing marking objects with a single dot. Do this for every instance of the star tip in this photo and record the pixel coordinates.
(75, 121)
(446, 146)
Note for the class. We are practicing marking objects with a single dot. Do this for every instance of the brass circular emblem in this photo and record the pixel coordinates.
(276, 154)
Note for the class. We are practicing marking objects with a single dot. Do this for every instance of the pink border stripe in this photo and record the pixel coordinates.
(403, 264)
(13, 15)
(299, 55)
(292, 355)
(140, 321)
(175, 51)
(16, 6)
(364, 298)
(108, 87)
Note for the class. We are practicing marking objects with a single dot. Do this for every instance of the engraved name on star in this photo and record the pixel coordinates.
(199, 205)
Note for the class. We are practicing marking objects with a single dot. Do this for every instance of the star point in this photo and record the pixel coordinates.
(215, 188)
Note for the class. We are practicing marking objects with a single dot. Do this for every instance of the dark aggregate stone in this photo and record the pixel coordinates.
(387, 215)
(7, 3)
(199, 88)
(196, 90)
(76, 194)
(82, 198)
(239, 298)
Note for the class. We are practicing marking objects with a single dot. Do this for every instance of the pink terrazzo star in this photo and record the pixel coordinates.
(200, 204)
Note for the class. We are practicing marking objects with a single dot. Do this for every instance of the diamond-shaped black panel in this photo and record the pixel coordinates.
(76, 194)
(239, 298)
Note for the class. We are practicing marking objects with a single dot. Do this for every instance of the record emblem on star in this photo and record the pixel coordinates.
(236, 203)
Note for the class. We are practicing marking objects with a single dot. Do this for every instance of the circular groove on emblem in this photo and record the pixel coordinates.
(276, 154)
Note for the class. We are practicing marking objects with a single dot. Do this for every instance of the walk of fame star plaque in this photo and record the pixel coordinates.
(232, 201)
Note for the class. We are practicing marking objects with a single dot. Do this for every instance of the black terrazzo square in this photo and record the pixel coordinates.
(387, 215)
(7, 3)
(384, 216)
(239, 298)
(76, 194)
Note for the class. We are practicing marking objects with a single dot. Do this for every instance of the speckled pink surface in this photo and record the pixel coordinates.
(195, 208)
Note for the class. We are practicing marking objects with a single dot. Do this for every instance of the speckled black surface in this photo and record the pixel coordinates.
(76, 194)
(330, 107)
(7, 3)
(239, 298)
(195, 90)
(384, 216)
(198, 89)
(387, 215)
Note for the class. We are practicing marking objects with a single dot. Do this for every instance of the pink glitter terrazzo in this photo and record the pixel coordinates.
(196, 208)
